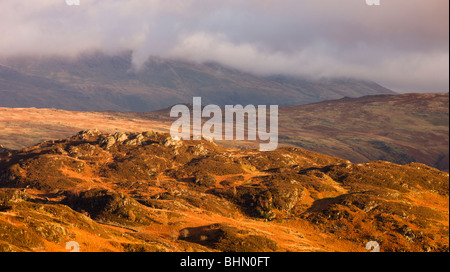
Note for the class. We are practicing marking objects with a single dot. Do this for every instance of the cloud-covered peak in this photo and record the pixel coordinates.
(402, 44)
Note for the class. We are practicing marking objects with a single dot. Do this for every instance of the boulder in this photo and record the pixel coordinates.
(227, 238)
(137, 140)
(107, 141)
(172, 142)
(86, 134)
(120, 137)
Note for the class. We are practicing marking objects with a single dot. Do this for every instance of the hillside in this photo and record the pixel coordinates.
(400, 128)
(24, 127)
(397, 128)
(99, 82)
(146, 192)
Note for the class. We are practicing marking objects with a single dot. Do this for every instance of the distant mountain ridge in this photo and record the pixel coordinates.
(98, 82)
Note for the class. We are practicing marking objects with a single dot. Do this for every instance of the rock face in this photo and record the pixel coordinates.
(149, 192)
(3, 149)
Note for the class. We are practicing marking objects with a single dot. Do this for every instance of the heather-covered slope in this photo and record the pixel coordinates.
(147, 192)
(398, 128)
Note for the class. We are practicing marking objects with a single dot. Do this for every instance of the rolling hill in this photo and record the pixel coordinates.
(398, 128)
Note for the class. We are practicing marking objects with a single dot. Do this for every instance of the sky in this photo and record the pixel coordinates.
(401, 44)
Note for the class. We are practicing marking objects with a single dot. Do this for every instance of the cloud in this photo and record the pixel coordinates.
(418, 72)
(402, 44)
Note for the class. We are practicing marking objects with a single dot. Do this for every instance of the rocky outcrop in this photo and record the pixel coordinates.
(86, 134)
(265, 199)
(107, 206)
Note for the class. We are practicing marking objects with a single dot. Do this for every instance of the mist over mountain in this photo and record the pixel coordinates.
(98, 81)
